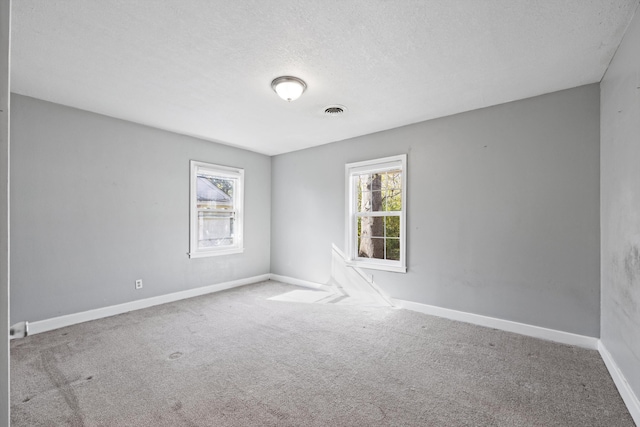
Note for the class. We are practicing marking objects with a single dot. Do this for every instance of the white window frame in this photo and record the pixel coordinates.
(197, 167)
(370, 166)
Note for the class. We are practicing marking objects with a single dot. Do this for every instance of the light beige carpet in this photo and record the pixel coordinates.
(237, 358)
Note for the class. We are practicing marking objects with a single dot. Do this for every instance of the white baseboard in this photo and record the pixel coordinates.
(504, 325)
(99, 313)
(299, 282)
(629, 397)
(626, 392)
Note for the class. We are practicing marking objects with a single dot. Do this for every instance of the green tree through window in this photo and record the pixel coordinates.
(376, 211)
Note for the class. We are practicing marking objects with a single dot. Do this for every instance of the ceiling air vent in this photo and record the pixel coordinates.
(335, 110)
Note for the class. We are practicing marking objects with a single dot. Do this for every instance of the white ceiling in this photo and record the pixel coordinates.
(204, 68)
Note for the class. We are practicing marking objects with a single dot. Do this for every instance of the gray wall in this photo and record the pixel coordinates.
(5, 24)
(503, 210)
(97, 203)
(620, 206)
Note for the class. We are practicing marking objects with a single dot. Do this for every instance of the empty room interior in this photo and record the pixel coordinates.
(336, 213)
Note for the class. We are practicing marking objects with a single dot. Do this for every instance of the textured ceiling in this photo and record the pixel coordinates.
(204, 68)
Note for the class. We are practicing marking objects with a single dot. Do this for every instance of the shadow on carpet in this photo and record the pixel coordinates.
(239, 358)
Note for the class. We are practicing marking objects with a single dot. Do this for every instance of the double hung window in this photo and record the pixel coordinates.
(216, 214)
(376, 219)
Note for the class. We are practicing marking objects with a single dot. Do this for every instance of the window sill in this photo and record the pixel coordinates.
(376, 266)
(206, 254)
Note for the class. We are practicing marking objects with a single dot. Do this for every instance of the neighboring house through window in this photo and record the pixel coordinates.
(216, 214)
(376, 219)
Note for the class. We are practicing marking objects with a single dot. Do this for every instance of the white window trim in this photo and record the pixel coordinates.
(375, 165)
(238, 199)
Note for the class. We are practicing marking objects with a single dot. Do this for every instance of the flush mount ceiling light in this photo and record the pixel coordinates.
(288, 88)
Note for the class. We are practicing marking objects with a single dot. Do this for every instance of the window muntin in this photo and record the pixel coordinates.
(216, 210)
(376, 222)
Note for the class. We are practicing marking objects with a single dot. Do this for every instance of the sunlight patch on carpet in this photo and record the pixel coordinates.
(348, 285)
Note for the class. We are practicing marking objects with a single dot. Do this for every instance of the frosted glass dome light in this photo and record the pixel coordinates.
(288, 88)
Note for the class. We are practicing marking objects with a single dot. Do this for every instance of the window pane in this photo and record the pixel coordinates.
(393, 249)
(370, 181)
(371, 247)
(370, 196)
(360, 190)
(214, 192)
(376, 201)
(392, 180)
(392, 190)
(371, 226)
(393, 200)
(364, 201)
(392, 226)
(215, 229)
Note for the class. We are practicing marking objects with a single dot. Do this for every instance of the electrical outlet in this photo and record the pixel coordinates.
(139, 284)
(19, 330)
